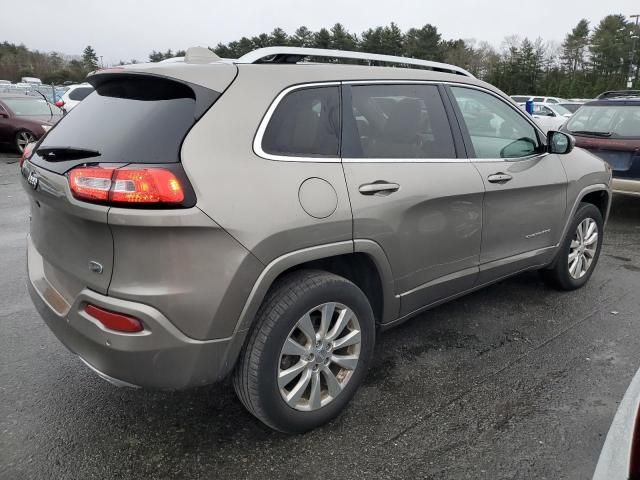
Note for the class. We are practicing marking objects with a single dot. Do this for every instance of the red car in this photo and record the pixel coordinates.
(24, 119)
(609, 127)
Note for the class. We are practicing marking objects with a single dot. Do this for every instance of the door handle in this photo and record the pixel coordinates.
(379, 187)
(499, 177)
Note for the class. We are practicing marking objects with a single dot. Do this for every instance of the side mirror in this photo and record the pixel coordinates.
(560, 142)
(519, 148)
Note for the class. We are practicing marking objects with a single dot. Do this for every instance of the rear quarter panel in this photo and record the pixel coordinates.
(252, 198)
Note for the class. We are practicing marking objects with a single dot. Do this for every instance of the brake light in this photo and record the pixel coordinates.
(114, 321)
(26, 153)
(59, 104)
(128, 185)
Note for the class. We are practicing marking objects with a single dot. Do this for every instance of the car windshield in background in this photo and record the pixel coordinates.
(28, 106)
(561, 110)
(613, 120)
(572, 107)
(129, 119)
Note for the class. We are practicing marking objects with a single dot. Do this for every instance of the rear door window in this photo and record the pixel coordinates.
(397, 121)
(306, 123)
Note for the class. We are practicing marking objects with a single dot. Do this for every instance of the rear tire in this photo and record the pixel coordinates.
(331, 367)
(579, 251)
(22, 139)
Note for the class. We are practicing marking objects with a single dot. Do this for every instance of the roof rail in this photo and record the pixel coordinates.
(295, 54)
(618, 94)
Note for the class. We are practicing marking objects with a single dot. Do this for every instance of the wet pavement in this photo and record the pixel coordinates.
(516, 381)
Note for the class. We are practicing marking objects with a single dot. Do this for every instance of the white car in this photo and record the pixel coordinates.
(545, 100)
(74, 95)
(548, 116)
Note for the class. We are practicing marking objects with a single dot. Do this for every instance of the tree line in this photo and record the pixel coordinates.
(17, 61)
(591, 59)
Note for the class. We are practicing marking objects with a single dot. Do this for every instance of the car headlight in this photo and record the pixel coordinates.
(46, 128)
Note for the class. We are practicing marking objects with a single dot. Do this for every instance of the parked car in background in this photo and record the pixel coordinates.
(5, 82)
(571, 106)
(620, 455)
(537, 99)
(24, 119)
(74, 95)
(610, 128)
(31, 80)
(383, 192)
(549, 116)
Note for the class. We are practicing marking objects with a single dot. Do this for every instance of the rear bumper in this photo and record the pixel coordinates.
(161, 356)
(626, 186)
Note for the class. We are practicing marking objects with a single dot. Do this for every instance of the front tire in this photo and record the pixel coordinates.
(579, 251)
(308, 352)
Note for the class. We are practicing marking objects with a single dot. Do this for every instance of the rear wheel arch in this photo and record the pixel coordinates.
(362, 262)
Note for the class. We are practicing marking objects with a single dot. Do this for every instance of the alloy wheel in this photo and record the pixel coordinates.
(319, 356)
(582, 249)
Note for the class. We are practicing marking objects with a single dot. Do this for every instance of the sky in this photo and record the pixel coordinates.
(130, 29)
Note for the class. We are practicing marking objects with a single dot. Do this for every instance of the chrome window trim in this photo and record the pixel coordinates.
(257, 140)
(405, 160)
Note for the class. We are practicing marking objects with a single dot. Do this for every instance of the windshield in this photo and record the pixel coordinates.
(617, 120)
(560, 110)
(29, 106)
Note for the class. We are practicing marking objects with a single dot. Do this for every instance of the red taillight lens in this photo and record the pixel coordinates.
(114, 321)
(127, 185)
(59, 104)
(28, 150)
(149, 185)
(91, 183)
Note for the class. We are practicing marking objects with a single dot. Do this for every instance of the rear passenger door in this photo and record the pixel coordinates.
(525, 198)
(411, 188)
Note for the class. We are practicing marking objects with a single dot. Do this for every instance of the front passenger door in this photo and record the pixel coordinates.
(525, 199)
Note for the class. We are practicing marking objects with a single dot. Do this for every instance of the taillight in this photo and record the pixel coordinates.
(127, 185)
(26, 153)
(113, 320)
(59, 104)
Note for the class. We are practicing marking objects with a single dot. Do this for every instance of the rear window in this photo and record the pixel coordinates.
(607, 120)
(129, 119)
(305, 123)
(80, 93)
(520, 99)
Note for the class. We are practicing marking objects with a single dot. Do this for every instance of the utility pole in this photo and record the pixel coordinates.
(634, 37)
(101, 64)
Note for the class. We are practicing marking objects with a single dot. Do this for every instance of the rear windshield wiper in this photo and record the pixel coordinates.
(588, 132)
(58, 154)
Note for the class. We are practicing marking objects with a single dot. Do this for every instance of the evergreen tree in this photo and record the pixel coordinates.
(424, 43)
(303, 37)
(322, 39)
(341, 39)
(278, 38)
(89, 58)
